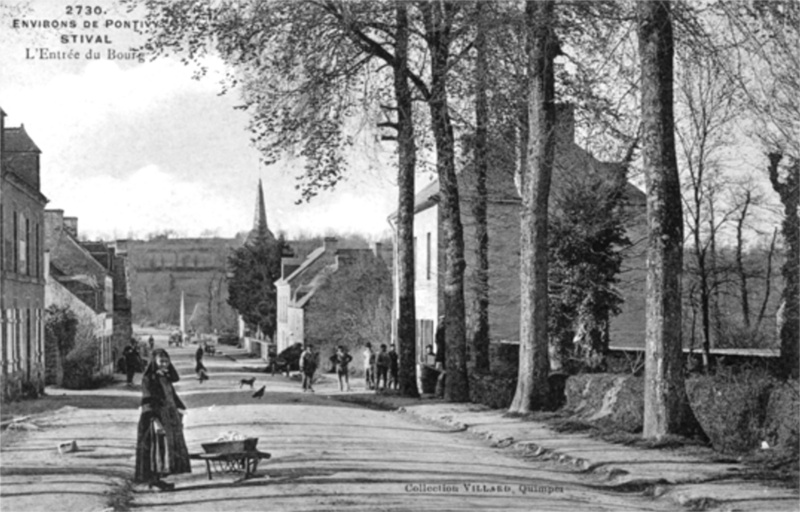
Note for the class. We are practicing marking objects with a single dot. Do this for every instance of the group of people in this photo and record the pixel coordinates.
(381, 366)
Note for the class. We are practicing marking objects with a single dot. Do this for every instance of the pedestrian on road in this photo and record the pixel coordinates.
(382, 363)
(440, 358)
(199, 368)
(308, 365)
(393, 368)
(369, 365)
(341, 360)
(151, 343)
(160, 445)
(133, 361)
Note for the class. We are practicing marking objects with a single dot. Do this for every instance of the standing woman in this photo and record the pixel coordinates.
(160, 446)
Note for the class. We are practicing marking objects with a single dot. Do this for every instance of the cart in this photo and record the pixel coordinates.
(232, 457)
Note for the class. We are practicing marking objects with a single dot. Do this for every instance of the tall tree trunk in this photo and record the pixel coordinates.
(666, 407)
(767, 280)
(740, 260)
(534, 365)
(480, 335)
(789, 192)
(438, 26)
(406, 149)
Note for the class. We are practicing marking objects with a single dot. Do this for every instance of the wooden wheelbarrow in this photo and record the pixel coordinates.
(232, 457)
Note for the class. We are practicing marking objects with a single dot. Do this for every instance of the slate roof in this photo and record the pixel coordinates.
(17, 140)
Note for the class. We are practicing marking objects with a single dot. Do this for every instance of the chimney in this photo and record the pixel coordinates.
(330, 243)
(54, 219)
(71, 226)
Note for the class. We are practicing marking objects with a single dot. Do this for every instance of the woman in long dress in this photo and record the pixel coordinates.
(160, 445)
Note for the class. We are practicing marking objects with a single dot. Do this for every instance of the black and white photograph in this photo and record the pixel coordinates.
(400, 255)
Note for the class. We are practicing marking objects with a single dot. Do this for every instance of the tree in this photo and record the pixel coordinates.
(788, 188)
(253, 270)
(480, 334)
(439, 19)
(406, 156)
(706, 104)
(667, 409)
(534, 366)
(60, 329)
(309, 69)
(586, 239)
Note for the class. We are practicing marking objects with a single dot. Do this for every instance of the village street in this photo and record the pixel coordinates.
(326, 455)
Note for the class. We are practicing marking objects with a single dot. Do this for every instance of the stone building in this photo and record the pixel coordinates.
(77, 280)
(22, 274)
(113, 257)
(301, 292)
(503, 217)
(298, 283)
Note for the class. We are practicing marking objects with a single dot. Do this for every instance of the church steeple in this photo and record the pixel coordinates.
(260, 228)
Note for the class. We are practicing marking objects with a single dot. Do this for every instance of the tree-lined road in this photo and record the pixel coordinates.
(326, 455)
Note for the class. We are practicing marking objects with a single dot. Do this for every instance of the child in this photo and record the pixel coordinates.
(308, 365)
(393, 368)
(382, 365)
(341, 360)
(369, 364)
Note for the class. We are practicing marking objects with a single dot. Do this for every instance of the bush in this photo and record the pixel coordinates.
(492, 390)
(731, 406)
(81, 362)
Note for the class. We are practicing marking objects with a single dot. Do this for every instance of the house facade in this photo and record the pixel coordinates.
(77, 280)
(22, 275)
(306, 307)
(294, 289)
(503, 219)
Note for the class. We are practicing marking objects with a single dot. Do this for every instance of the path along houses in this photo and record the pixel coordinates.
(571, 163)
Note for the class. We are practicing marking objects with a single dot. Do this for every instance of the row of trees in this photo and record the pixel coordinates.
(312, 73)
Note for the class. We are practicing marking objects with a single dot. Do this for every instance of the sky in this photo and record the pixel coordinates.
(135, 148)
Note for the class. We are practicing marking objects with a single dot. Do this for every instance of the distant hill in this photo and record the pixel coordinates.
(162, 268)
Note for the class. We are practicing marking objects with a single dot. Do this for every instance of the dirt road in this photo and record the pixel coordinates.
(326, 455)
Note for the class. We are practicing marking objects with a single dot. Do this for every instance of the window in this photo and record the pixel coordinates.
(37, 271)
(28, 247)
(428, 258)
(416, 251)
(15, 241)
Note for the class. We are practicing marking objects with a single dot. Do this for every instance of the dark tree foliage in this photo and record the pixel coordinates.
(60, 328)
(253, 270)
(586, 238)
(788, 189)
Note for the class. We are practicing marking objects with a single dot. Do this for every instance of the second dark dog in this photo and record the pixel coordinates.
(248, 382)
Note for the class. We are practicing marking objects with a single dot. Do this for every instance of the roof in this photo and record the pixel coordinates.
(311, 288)
(425, 198)
(311, 258)
(16, 140)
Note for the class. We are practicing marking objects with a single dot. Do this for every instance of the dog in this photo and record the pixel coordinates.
(260, 392)
(248, 382)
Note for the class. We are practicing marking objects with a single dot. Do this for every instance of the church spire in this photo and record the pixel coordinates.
(260, 228)
(260, 219)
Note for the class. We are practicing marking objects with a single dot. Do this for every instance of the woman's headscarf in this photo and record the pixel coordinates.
(152, 366)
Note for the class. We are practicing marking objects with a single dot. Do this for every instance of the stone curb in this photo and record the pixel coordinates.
(612, 474)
